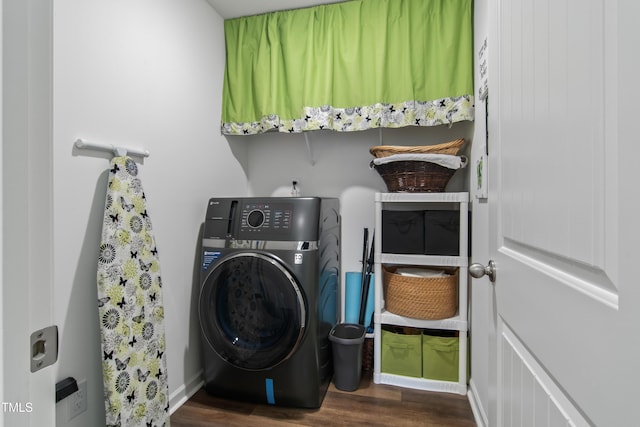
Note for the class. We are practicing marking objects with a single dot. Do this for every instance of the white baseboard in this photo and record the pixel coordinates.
(479, 414)
(185, 391)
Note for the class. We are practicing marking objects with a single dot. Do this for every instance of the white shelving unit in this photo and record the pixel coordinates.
(399, 201)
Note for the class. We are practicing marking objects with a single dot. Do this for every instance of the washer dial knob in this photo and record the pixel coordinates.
(255, 218)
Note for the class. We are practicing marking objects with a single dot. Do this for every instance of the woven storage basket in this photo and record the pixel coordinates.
(451, 147)
(421, 297)
(414, 176)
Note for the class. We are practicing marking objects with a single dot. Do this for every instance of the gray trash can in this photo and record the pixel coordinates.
(346, 343)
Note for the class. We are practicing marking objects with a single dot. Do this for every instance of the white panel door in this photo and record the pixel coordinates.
(563, 150)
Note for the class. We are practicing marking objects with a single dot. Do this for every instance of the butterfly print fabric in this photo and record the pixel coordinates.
(408, 113)
(130, 306)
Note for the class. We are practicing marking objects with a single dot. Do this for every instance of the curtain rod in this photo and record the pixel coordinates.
(117, 151)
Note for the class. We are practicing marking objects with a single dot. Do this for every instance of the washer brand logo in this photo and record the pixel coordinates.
(297, 258)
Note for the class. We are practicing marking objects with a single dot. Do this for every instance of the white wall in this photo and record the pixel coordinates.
(341, 169)
(149, 74)
(145, 74)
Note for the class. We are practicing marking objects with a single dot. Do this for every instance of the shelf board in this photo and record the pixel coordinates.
(433, 260)
(420, 383)
(422, 197)
(455, 323)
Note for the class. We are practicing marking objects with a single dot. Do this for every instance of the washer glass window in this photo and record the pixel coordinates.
(252, 311)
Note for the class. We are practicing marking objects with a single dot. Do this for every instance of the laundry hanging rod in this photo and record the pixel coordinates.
(117, 151)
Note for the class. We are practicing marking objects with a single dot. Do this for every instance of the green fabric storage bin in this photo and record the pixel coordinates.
(440, 357)
(401, 354)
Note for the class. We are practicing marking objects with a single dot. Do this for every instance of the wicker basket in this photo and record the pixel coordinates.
(452, 147)
(421, 297)
(414, 176)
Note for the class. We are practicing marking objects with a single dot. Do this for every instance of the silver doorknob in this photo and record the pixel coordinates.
(478, 270)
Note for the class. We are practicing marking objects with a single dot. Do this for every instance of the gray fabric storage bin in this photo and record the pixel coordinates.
(403, 232)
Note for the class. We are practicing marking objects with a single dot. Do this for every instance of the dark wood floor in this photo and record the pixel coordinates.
(371, 405)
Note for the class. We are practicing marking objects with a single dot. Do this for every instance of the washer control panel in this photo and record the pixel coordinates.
(266, 216)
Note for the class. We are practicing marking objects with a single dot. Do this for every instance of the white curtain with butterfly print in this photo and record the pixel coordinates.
(130, 306)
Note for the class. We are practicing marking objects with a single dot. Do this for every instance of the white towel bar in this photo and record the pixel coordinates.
(117, 151)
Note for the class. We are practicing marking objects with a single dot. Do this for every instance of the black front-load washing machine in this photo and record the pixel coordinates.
(268, 298)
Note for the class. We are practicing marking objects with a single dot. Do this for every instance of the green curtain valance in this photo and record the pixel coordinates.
(349, 66)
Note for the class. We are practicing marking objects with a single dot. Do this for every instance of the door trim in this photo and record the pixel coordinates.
(27, 200)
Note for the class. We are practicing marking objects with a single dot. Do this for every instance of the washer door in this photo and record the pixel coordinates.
(252, 312)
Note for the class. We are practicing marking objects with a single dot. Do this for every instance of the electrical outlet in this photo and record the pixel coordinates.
(78, 400)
